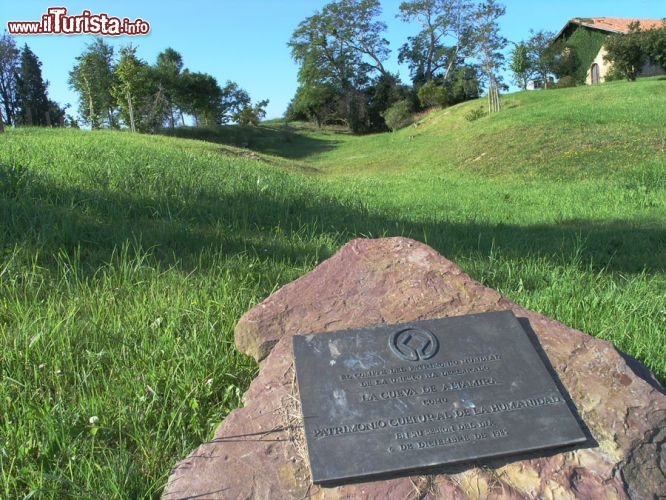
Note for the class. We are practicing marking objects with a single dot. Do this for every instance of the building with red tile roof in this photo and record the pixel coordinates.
(586, 35)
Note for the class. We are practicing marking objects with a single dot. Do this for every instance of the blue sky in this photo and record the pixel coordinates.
(245, 41)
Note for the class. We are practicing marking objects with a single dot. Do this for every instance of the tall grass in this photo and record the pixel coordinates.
(126, 261)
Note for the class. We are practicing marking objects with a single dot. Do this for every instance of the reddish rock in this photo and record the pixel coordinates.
(259, 450)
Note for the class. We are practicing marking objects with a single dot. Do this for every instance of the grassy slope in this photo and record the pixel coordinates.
(559, 201)
(125, 264)
(125, 261)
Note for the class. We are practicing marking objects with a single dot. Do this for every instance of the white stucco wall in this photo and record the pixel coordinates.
(605, 67)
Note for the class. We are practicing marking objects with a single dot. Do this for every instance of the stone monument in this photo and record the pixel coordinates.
(259, 451)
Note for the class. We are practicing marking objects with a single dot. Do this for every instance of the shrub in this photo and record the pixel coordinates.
(398, 115)
(432, 94)
(475, 114)
(626, 53)
(565, 82)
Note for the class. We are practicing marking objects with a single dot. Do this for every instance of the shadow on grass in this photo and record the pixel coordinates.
(92, 225)
(282, 141)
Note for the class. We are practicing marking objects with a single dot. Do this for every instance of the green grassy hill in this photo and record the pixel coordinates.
(126, 260)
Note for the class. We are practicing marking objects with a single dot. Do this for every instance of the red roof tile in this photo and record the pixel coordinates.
(617, 24)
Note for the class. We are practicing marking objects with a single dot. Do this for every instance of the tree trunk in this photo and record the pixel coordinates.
(91, 111)
(91, 105)
(450, 66)
(131, 112)
(494, 104)
(9, 112)
(2, 125)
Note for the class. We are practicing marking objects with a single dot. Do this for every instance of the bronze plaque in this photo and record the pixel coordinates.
(392, 399)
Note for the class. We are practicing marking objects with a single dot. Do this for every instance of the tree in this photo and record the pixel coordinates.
(654, 45)
(31, 90)
(316, 103)
(233, 102)
(167, 71)
(445, 37)
(430, 94)
(437, 56)
(490, 46)
(156, 109)
(626, 53)
(382, 93)
(237, 106)
(398, 115)
(544, 54)
(521, 65)
(357, 26)
(93, 78)
(57, 114)
(343, 44)
(464, 84)
(200, 95)
(9, 67)
(252, 115)
(339, 50)
(132, 87)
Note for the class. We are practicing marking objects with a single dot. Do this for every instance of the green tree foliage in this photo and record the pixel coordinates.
(383, 91)
(544, 58)
(132, 86)
(568, 63)
(57, 114)
(234, 102)
(9, 67)
(31, 90)
(201, 97)
(398, 115)
(654, 45)
(544, 55)
(564, 82)
(341, 45)
(148, 97)
(521, 65)
(167, 71)
(252, 115)
(445, 37)
(157, 109)
(141, 98)
(432, 94)
(626, 52)
(443, 51)
(358, 28)
(92, 78)
(317, 103)
(464, 84)
(339, 50)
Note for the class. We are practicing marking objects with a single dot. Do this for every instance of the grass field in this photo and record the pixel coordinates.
(126, 260)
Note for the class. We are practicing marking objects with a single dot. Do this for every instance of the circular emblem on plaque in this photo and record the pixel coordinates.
(414, 344)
